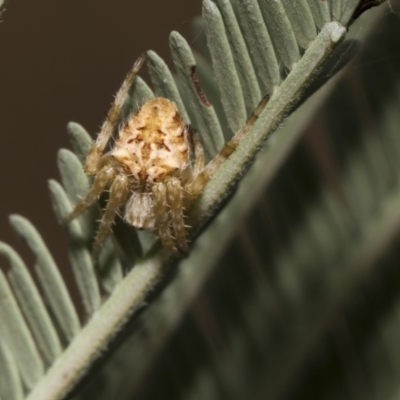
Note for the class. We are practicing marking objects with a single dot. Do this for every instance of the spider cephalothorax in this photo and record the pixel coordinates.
(152, 146)
(153, 170)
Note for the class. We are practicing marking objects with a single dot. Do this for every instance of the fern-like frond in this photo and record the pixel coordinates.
(255, 48)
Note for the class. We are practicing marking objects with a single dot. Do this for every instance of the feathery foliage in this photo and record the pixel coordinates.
(299, 258)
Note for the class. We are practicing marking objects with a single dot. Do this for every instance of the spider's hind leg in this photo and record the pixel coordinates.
(195, 187)
(197, 152)
(190, 176)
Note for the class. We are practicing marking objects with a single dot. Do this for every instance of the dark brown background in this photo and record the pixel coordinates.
(63, 61)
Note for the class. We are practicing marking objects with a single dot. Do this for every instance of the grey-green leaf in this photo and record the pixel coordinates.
(76, 184)
(80, 256)
(10, 381)
(80, 140)
(204, 116)
(17, 336)
(259, 43)
(302, 21)
(49, 277)
(244, 66)
(320, 12)
(281, 32)
(164, 83)
(32, 305)
(139, 94)
(224, 67)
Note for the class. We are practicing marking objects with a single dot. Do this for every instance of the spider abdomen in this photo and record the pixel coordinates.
(139, 211)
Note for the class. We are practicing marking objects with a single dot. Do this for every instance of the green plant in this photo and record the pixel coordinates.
(287, 279)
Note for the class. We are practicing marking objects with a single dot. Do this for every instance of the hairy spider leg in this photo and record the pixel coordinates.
(199, 159)
(119, 192)
(196, 166)
(175, 202)
(102, 180)
(194, 188)
(112, 119)
(160, 207)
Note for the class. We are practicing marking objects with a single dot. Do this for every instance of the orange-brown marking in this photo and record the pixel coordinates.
(198, 87)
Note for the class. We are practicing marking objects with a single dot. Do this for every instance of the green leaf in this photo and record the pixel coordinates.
(10, 383)
(229, 84)
(204, 116)
(32, 306)
(18, 338)
(80, 256)
(164, 83)
(49, 277)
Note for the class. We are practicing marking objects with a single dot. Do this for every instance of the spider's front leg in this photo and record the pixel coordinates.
(113, 118)
(168, 209)
(119, 192)
(160, 209)
(101, 181)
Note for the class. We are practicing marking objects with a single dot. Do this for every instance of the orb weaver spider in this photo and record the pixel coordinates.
(154, 169)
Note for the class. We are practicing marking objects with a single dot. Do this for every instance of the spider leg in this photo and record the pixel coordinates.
(196, 151)
(112, 119)
(193, 170)
(199, 159)
(103, 178)
(119, 192)
(160, 208)
(195, 187)
(175, 202)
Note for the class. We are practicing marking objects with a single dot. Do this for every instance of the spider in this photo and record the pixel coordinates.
(154, 169)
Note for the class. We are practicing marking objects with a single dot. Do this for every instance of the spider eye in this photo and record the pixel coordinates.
(161, 146)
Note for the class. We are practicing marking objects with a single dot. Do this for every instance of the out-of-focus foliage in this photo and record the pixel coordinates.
(290, 291)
